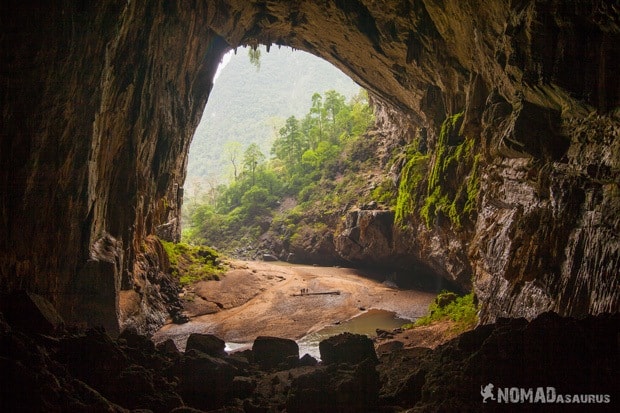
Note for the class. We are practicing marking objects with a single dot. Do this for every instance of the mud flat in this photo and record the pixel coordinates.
(264, 298)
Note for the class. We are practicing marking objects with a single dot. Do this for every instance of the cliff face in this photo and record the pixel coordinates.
(99, 102)
(99, 105)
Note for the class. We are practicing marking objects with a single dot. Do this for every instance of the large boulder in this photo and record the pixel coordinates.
(93, 357)
(367, 237)
(138, 387)
(206, 343)
(205, 382)
(30, 312)
(335, 388)
(273, 352)
(347, 348)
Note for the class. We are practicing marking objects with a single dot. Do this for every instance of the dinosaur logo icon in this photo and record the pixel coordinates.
(487, 392)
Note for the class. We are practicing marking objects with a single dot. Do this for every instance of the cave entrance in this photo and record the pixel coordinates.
(241, 172)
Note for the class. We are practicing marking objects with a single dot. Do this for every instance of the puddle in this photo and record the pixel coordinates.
(365, 323)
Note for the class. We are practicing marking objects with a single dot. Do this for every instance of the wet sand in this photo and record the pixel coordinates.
(261, 298)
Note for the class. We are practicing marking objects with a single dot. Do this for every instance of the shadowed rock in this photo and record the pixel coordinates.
(207, 343)
(30, 312)
(347, 348)
(205, 382)
(336, 388)
(272, 352)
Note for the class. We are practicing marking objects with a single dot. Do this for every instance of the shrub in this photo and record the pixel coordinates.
(448, 306)
(192, 263)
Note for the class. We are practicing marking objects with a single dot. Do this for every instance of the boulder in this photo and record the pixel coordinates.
(347, 348)
(242, 387)
(273, 352)
(137, 341)
(30, 312)
(389, 347)
(140, 388)
(93, 357)
(308, 360)
(206, 343)
(335, 388)
(168, 347)
(205, 382)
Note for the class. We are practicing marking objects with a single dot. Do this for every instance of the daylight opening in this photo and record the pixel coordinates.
(277, 151)
(286, 166)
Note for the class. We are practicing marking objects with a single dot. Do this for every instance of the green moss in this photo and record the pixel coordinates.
(385, 193)
(412, 174)
(461, 310)
(444, 193)
(473, 188)
(456, 200)
(193, 263)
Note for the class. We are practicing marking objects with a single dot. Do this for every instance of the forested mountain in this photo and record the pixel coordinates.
(314, 170)
(249, 105)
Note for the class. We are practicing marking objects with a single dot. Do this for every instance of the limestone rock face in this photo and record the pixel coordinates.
(99, 105)
(100, 99)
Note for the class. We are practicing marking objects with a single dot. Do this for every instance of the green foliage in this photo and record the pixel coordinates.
(448, 306)
(443, 195)
(412, 174)
(254, 55)
(250, 106)
(252, 158)
(193, 263)
(386, 193)
(455, 200)
(310, 159)
(473, 188)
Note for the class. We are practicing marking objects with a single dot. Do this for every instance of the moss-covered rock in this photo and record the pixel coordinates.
(192, 263)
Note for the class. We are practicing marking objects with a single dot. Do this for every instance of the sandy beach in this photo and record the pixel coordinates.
(264, 298)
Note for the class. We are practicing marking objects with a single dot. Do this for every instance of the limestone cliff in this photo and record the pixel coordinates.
(99, 101)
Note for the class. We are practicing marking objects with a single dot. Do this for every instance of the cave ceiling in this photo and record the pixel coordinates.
(100, 101)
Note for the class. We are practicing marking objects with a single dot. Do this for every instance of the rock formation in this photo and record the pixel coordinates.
(89, 371)
(100, 99)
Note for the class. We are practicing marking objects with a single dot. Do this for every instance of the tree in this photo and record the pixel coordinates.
(251, 159)
(334, 103)
(317, 116)
(233, 151)
(289, 146)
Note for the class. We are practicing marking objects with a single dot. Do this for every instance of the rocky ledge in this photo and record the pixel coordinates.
(55, 370)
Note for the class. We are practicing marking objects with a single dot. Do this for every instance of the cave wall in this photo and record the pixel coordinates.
(99, 102)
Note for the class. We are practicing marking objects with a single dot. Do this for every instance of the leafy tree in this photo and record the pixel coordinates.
(290, 145)
(334, 103)
(251, 159)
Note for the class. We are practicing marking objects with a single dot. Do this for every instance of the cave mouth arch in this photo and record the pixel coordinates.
(101, 99)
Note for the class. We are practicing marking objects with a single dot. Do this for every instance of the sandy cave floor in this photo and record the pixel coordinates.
(256, 298)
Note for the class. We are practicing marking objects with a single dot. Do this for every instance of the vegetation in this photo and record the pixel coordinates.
(444, 196)
(448, 306)
(193, 263)
(412, 174)
(249, 106)
(254, 55)
(311, 162)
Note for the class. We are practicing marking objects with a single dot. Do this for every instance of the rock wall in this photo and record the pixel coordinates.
(99, 102)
